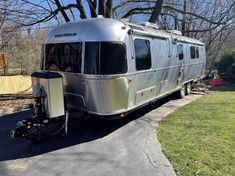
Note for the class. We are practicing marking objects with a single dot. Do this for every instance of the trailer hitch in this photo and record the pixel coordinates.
(20, 131)
(35, 128)
(24, 127)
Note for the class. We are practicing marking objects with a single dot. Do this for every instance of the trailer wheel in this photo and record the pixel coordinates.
(181, 92)
(188, 88)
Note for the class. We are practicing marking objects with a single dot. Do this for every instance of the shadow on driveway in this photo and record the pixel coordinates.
(80, 131)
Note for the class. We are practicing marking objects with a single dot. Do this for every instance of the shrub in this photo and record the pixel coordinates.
(227, 64)
(232, 71)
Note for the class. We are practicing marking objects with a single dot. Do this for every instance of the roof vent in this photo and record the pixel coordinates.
(148, 24)
(100, 16)
(176, 32)
(125, 20)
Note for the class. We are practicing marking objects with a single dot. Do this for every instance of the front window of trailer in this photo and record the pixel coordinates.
(66, 57)
(105, 58)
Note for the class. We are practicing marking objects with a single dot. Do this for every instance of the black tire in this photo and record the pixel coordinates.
(181, 92)
(188, 88)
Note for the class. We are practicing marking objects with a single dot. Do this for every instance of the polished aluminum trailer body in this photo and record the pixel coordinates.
(159, 68)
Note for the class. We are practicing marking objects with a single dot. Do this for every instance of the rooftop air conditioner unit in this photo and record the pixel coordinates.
(148, 24)
(176, 32)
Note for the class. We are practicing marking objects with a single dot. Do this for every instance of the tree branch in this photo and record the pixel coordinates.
(143, 10)
(81, 9)
(62, 11)
(138, 10)
(123, 3)
(92, 6)
(49, 5)
(189, 13)
(52, 14)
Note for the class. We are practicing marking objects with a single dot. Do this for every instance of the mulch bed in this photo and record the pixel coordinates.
(14, 101)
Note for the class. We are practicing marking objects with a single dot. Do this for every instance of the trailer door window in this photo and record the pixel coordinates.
(64, 57)
(142, 54)
(105, 58)
(197, 52)
(192, 52)
(180, 51)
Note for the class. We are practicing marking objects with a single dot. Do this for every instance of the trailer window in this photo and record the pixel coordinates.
(104, 58)
(180, 51)
(192, 52)
(64, 57)
(142, 54)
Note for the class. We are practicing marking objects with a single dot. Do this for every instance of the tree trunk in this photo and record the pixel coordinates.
(109, 8)
(184, 19)
(156, 11)
(176, 23)
(101, 8)
(81, 9)
(92, 7)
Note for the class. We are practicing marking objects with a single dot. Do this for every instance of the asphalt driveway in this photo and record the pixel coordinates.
(93, 147)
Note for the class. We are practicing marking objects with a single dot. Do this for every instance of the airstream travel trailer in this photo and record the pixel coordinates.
(110, 68)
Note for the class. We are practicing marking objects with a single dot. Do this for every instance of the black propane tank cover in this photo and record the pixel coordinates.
(46, 74)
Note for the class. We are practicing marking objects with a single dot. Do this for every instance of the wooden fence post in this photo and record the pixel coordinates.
(3, 63)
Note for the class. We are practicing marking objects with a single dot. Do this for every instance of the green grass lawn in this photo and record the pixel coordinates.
(199, 138)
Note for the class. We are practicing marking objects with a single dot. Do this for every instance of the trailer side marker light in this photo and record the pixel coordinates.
(122, 115)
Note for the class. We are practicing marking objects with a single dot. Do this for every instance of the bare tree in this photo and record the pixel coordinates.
(211, 20)
(31, 12)
(7, 29)
(23, 51)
